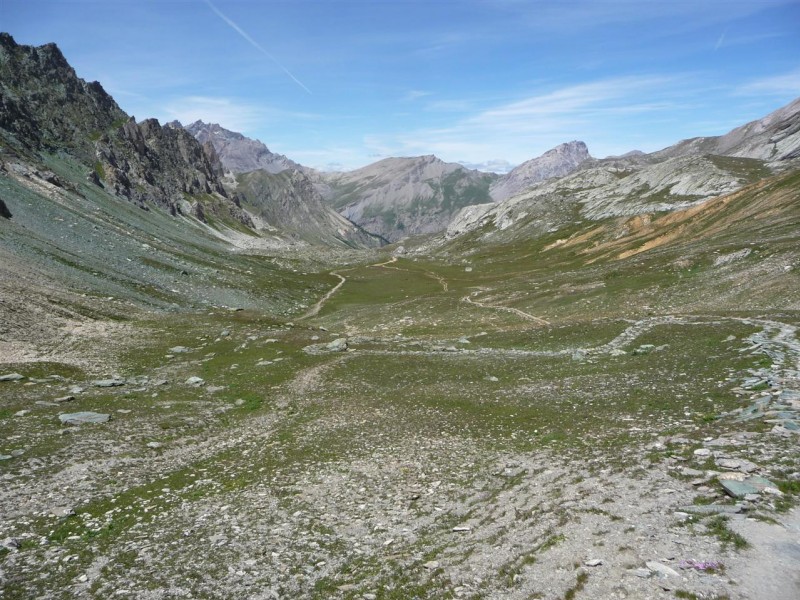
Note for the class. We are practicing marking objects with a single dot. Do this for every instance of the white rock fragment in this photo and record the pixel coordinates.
(661, 569)
(593, 562)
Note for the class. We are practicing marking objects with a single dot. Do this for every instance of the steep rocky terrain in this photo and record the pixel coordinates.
(289, 201)
(776, 137)
(240, 154)
(45, 106)
(279, 191)
(398, 197)
(59, 110)
(599, 398)
(670, 179)
(557, 162)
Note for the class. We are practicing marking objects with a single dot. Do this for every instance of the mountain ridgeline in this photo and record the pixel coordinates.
(398, 197)
(675, 178)
(279, 191)
(46, 107)
(234, 183)
(238, 153)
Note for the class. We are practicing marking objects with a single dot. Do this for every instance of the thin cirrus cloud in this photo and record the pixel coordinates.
(785, 84)
(413, 95)
(230, 113)
(513, 128)
(519, 130)
(572, 102)
(232, 24)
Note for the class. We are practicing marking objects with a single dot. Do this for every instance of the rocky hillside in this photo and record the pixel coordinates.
(240, 154)
(398, 197)
(775, 137)
(289, 201)
(279, 191)
(560, 161)
(45, 106)
(670, 179)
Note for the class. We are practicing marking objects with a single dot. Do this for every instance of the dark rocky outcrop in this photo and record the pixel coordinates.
(4, 212)
(45, 106)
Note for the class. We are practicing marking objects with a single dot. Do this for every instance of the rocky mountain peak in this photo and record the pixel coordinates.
(556, 162)
(45, 105)
(239, 153)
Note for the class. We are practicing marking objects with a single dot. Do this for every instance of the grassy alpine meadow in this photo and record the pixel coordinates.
(491, 424)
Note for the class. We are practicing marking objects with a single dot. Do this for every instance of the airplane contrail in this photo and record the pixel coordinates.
(255, 44)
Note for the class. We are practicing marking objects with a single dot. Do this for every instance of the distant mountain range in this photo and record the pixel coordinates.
(676, 177)
(227, 180)
(395, 197)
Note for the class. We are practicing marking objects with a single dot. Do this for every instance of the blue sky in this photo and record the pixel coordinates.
(488, 83)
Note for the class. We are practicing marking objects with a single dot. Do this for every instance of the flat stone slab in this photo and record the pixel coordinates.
(108, 382)
(79, 418)
(662, 569)
(751, 485)
(712, 509)
(11, 377)
(737, 464)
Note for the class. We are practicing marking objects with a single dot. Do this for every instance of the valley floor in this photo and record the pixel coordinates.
(466, 441)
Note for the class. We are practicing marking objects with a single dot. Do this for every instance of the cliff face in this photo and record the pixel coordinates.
(45, 106)
(560, 161)
(289, 201)
(238, 153)
(398, 197)
(148, 162)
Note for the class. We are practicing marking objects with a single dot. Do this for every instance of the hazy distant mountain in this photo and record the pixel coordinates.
(398, 197)
(289, 202)
(677, 177)
(773, 138)
(559, 161)
(238, 153)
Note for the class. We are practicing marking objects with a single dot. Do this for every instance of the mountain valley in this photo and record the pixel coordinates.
(227, 375)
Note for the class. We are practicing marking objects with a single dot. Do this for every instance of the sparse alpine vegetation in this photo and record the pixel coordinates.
(213, 386)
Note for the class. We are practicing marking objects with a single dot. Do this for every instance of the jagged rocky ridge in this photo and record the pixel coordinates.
(557, 162)
(45, 106)
(677, 177)
(240, 154)
(278, 191)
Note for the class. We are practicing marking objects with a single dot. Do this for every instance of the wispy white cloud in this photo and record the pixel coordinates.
(255, 44)
(524, 128)
(228, 112)
(498, 165)
(412, 95)
(720, 41)
(777, 85)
